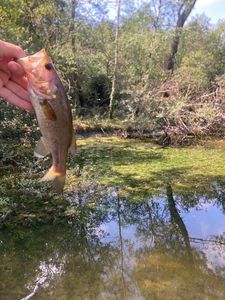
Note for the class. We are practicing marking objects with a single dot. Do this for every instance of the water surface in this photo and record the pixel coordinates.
(167, 246)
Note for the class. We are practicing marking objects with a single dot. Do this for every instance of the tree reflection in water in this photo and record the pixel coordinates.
(121, 249)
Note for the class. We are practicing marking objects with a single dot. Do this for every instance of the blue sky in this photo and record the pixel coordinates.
(214, 9)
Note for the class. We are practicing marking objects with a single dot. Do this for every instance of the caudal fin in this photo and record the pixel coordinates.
(57, 179)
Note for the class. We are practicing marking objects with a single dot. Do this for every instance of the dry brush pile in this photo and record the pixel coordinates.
(177, 112)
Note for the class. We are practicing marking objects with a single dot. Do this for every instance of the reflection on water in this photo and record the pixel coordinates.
(171, 246)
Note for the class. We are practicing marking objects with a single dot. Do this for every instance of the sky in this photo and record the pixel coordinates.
(214, 9)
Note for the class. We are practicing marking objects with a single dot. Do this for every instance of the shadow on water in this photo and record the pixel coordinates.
(169, 246)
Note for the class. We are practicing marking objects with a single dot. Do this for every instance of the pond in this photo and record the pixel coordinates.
(170, 246)
(138, 237)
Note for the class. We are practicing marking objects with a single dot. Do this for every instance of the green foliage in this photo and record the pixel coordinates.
(193, 70)
(80, 39)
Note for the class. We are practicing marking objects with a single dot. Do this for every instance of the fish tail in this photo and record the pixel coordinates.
(57, 179)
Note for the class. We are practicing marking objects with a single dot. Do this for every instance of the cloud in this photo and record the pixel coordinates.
(204, 3)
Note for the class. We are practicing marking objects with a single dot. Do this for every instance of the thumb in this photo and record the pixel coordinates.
(11, 50)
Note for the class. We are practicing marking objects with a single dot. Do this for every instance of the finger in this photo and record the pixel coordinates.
(4, 77)
(4, 66)
(10, 50)
(1, 83)
(15, 68)
(5, 59)
(22, 81)
(18, 90)
(15, 100)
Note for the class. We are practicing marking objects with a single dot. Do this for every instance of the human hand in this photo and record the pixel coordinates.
(13, 83)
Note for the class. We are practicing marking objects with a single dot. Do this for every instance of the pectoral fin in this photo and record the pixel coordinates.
(40, 150)
(48, 110)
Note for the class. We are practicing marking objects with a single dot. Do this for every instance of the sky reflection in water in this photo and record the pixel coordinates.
(166, 246)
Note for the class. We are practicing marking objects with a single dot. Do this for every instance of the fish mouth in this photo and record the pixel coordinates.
(39, 81)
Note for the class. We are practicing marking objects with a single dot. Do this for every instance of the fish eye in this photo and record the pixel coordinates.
(48, 66)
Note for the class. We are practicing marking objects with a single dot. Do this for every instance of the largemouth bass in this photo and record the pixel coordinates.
(53, 113)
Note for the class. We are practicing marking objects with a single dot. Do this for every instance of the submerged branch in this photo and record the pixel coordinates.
(199, 240)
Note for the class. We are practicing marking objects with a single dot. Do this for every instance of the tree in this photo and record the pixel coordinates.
(184, 9)
(116, 56)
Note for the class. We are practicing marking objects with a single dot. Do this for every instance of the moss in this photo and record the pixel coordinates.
(138, 168)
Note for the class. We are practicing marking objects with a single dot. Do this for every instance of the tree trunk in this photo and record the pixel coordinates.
(176, 219)
(157, 8)
(114, 79)
(79, 99)
(183, 13)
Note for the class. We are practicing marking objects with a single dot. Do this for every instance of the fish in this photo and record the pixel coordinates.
(53, 113)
